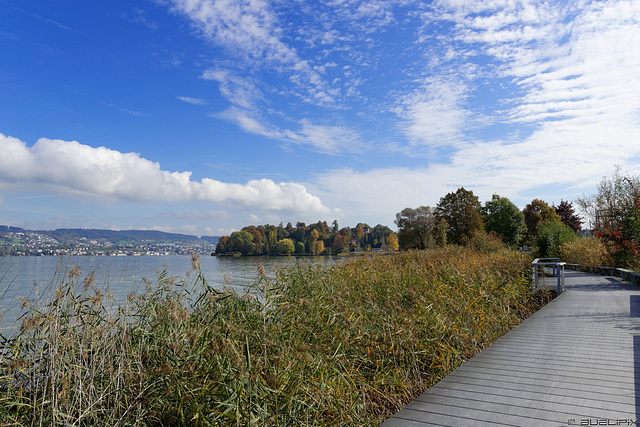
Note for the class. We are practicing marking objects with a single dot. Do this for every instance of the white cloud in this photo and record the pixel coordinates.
(251, 32)
(320, 138)
(247, 121)
(241, 92)
(433, 114)
(190, 100)
(73, 168)
(325, 139)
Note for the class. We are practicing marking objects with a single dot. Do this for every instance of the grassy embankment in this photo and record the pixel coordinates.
(345, 345)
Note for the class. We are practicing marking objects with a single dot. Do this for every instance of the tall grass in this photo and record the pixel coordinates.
(342, 345)
(586, 251)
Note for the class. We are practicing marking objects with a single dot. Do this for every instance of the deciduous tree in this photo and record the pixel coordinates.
(535, 213)
(504, 218)
(461, 210)
(415, 228)
(551, 236)
(615, 213)
(313, 239)
(392, 242)
(286, 247)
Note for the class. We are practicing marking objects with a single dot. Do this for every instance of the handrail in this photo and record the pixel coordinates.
(557, 271)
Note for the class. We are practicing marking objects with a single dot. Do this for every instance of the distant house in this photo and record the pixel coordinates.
(381, 247)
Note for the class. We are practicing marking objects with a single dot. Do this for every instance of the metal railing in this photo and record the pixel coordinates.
(548, 271)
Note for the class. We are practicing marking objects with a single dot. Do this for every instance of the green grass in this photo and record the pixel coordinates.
(342, 345)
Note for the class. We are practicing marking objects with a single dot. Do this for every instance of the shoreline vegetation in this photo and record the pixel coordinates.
(348, 344)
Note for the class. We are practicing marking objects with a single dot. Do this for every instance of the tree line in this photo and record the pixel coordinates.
(314, 239)
(459, 217)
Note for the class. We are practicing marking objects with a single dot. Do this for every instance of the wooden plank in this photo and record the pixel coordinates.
(576, 360)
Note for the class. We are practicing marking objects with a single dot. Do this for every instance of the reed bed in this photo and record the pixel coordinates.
(342, 345)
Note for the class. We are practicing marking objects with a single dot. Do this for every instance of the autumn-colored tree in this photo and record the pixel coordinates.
(535, 213)
(221, 247)
(461, 210)
(341, 243)
(319, 247)
(272, 240)
(313, 239)
(392, 242)
(615, 213)
(258, 239)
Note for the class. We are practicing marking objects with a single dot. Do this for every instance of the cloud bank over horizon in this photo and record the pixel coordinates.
(82, 171)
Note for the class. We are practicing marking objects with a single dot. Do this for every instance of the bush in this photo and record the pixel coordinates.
(487, 242)
(551, 236)
(585, 251)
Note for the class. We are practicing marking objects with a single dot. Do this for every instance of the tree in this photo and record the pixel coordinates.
(341, 242)
(568, 216)
(551, 236)
(319, 247)
(615, 213)
(392, 242)
(221, 247)
(504, 218)
(285, 247)
(313, 239)
(300, 248)
(535, 213)
(461, 210)
(272, 241)
(240, 241)
(415, 228)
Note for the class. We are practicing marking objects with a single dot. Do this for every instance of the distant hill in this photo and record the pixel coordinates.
(114, 236)
(117, 236)
(9, 229)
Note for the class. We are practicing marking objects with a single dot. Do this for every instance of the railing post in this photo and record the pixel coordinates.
(560, 285)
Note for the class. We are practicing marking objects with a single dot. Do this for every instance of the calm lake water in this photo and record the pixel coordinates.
(34, 277)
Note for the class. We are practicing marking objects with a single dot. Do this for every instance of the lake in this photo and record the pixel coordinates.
(33, 277)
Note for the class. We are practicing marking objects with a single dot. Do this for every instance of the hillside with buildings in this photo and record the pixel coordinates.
(16, 241)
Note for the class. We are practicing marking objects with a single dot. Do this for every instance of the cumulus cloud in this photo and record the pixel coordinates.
(73, 168)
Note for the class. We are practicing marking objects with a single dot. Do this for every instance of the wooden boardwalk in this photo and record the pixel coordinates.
(574, 362)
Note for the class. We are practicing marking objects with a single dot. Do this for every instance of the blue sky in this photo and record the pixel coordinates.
(203, 116)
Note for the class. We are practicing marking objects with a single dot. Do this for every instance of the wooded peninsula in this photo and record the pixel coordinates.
(315, 239)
